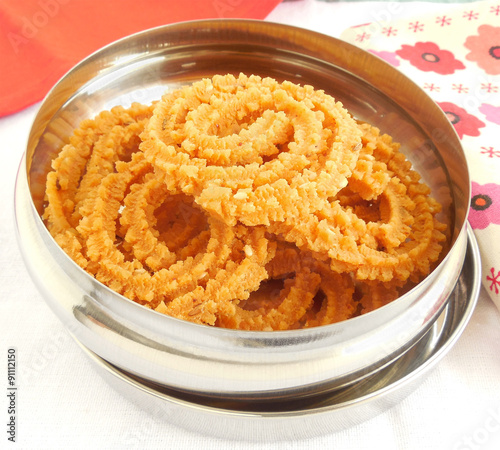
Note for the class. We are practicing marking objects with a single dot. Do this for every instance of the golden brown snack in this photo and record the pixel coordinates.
(252, 150)
(92, 152)
(394, 236)
(243, 203)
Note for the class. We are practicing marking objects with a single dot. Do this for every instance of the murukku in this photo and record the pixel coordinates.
(180, 286)
(305, 294)
(375, 294)
(402, 244)
(252, 150)
(244, 203)
(90, 154)
(295, 299)
(138, 224)
(281, 308)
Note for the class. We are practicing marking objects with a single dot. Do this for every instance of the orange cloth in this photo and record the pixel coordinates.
(40, 40)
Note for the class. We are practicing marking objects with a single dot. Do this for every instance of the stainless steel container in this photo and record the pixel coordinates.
(327, 413)
(229, 364)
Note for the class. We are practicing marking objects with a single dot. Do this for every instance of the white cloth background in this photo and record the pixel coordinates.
(63, 403)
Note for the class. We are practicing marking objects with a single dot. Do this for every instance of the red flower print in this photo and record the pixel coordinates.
(443, 20)
(432, 87)
(489, 87)
(428, 57)
(460, 88)
(485, 49)
(484, 205)
(464, 123)
(470, 15)
(491, 112)
(389, 31)
(495, 280)
(416, 26)
(362, 37)
(490, 152)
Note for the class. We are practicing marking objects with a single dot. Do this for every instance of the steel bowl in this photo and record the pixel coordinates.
(221, 363)
(330, 412)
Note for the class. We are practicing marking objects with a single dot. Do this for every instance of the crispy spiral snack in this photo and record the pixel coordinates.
(310, 295)
(394, 237)
(94, 149)
(244, 203)
(252, 150)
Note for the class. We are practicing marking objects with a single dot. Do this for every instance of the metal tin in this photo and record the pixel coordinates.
(229, 364)
(326, 413)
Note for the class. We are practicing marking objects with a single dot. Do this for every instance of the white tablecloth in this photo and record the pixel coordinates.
(63, 403)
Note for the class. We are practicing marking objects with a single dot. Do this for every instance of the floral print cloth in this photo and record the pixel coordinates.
(455, 57)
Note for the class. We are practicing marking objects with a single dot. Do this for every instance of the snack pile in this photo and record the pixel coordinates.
(245, 203)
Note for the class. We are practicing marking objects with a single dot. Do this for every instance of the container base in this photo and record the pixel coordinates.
(309, 417)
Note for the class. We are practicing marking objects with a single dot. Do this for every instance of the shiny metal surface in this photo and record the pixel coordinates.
(326, 413)
(226, 363)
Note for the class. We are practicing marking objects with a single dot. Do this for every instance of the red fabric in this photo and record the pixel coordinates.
(40, 40)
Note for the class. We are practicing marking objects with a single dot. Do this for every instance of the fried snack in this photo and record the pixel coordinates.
(252, 150)
(244, 203)
(304, 293)
(93, 150)
(194, 288)
(396, 238)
